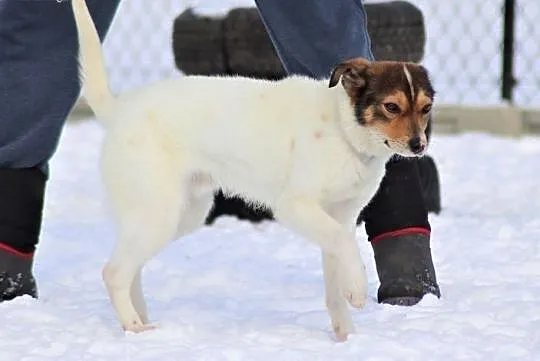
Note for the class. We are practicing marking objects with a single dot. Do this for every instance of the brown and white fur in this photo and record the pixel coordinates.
(313, 151)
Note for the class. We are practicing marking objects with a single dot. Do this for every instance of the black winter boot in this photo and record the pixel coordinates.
(21, 205)
(16, 277)
(405, 267)
(398, 228)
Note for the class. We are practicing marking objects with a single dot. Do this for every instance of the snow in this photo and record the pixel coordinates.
(237, 291)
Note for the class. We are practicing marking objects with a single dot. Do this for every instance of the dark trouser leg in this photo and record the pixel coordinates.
(38, 87)
(311, 37)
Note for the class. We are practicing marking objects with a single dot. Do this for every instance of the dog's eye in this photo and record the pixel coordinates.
(426, 109)
(392, 108)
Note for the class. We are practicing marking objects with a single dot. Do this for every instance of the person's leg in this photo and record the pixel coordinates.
(38, 87)
(311, 37)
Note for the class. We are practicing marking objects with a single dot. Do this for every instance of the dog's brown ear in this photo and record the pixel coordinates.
(351, 72)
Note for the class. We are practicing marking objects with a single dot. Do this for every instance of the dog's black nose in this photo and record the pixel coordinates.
(416, 146)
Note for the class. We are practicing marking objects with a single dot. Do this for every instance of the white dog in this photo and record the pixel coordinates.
(314, 154)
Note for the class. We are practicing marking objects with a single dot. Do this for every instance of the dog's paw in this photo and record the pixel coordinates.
(354, 286)
(341, 335)
(138, 328)
(342, 329)
(134, 324)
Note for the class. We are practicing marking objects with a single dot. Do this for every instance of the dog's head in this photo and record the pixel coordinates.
(392, 100)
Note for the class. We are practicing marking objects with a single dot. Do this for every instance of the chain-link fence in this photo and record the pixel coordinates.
(527, 53)
(463, 48)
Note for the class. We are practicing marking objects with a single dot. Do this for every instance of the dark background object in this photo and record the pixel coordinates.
(397, 31)
(198, 44)
(508, 80)
(238, 44)
(249, 49)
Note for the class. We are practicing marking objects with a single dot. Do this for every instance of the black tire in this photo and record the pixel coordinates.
(249, 49)
(198, 44)
(396, 30)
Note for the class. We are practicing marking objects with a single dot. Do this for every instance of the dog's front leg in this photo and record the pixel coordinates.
(346, 214)
(340, 252)
(336, 304)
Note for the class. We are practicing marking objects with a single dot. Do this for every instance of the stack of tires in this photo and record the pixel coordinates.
(238, 43)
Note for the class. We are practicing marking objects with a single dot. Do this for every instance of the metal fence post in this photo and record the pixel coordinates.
(507, 75)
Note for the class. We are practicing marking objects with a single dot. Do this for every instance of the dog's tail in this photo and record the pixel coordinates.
(92, 70)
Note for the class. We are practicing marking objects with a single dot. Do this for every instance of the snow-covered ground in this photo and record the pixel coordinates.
(241, 292)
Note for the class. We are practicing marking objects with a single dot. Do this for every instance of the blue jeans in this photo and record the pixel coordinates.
(312, 36)
(38, 75)
(39, 82)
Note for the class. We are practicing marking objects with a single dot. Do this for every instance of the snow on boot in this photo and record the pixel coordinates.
(21, 205)
(16, 277)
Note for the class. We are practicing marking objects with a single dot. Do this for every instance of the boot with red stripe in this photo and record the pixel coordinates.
(16, 278)
(396, 221)
(21, 205)
(405, 266)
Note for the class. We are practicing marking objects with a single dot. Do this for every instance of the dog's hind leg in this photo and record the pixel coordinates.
(193, 216)
(143, 233)
(148, 200)
(199, 205)
(137, 297)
